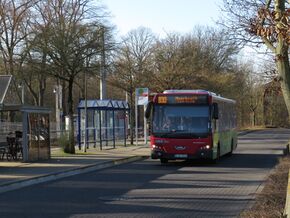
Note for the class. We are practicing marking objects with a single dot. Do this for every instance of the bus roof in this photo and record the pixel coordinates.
(188, 91)
(199, 92)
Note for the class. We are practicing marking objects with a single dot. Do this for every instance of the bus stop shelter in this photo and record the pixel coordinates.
(106, 122)
(35, 137)
(25, 127)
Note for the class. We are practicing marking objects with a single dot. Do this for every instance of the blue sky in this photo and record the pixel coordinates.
(162, 16)
(166, 16)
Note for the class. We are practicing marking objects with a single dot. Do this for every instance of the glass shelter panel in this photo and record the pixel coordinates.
(106, 122)
(120, 118)
(82, 125)
(90, 126)
(38, 136)
(97, 125)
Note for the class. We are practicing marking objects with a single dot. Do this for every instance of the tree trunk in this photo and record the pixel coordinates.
(31, 90)
(42, 82)
(64, 106)
(284, 71)
(42, 86)
(71, 147)
(282, 62)
(282, 58)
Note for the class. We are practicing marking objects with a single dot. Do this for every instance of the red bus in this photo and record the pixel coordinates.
(191, 124)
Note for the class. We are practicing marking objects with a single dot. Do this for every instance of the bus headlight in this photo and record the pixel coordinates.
(156, 147)
(206, 147)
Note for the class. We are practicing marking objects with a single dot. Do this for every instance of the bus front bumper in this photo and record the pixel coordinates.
(201, 154)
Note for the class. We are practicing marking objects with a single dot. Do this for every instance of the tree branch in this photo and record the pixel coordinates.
(269, 44)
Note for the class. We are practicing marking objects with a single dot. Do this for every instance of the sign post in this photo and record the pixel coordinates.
(136, 117)
(141, 99)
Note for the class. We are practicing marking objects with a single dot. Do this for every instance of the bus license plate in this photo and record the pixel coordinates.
(180, 155)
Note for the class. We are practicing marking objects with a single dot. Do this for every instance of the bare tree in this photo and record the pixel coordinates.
(133, 64)
(34, 75)
(70, 36)
(263, 22)
(14, 23)
(201, 59)
(170, 58)
(254, 98)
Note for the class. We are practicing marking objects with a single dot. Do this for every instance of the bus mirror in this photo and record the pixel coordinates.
(148, 110)
(215, 111)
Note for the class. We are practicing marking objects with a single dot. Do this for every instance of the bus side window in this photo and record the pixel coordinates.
(214, 125)
(215, 114)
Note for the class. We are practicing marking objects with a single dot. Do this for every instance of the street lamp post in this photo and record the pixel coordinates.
(22, 87)
(58, 108)
(103, 93)
(86, 115)
(103, 68)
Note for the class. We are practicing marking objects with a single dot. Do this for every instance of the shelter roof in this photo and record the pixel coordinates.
(24, 108)
(104, 104)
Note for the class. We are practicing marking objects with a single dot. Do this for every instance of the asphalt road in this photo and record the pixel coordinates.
(149, 189)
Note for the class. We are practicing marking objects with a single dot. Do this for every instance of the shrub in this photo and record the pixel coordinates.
(63, 142)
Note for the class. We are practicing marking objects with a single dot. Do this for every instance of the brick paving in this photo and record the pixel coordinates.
(149, 189)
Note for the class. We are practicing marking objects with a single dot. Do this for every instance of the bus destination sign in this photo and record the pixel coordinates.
(182, 99)
(186, 99)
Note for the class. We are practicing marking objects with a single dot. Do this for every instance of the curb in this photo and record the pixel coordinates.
(55, 176)
(247, 132)
(287, 204)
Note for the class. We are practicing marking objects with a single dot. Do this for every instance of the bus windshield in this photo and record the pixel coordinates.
(180, 121)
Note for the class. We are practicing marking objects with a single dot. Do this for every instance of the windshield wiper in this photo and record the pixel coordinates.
(178, 130)
(162, 135)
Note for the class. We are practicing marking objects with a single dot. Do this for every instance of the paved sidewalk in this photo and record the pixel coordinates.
(14, 175)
